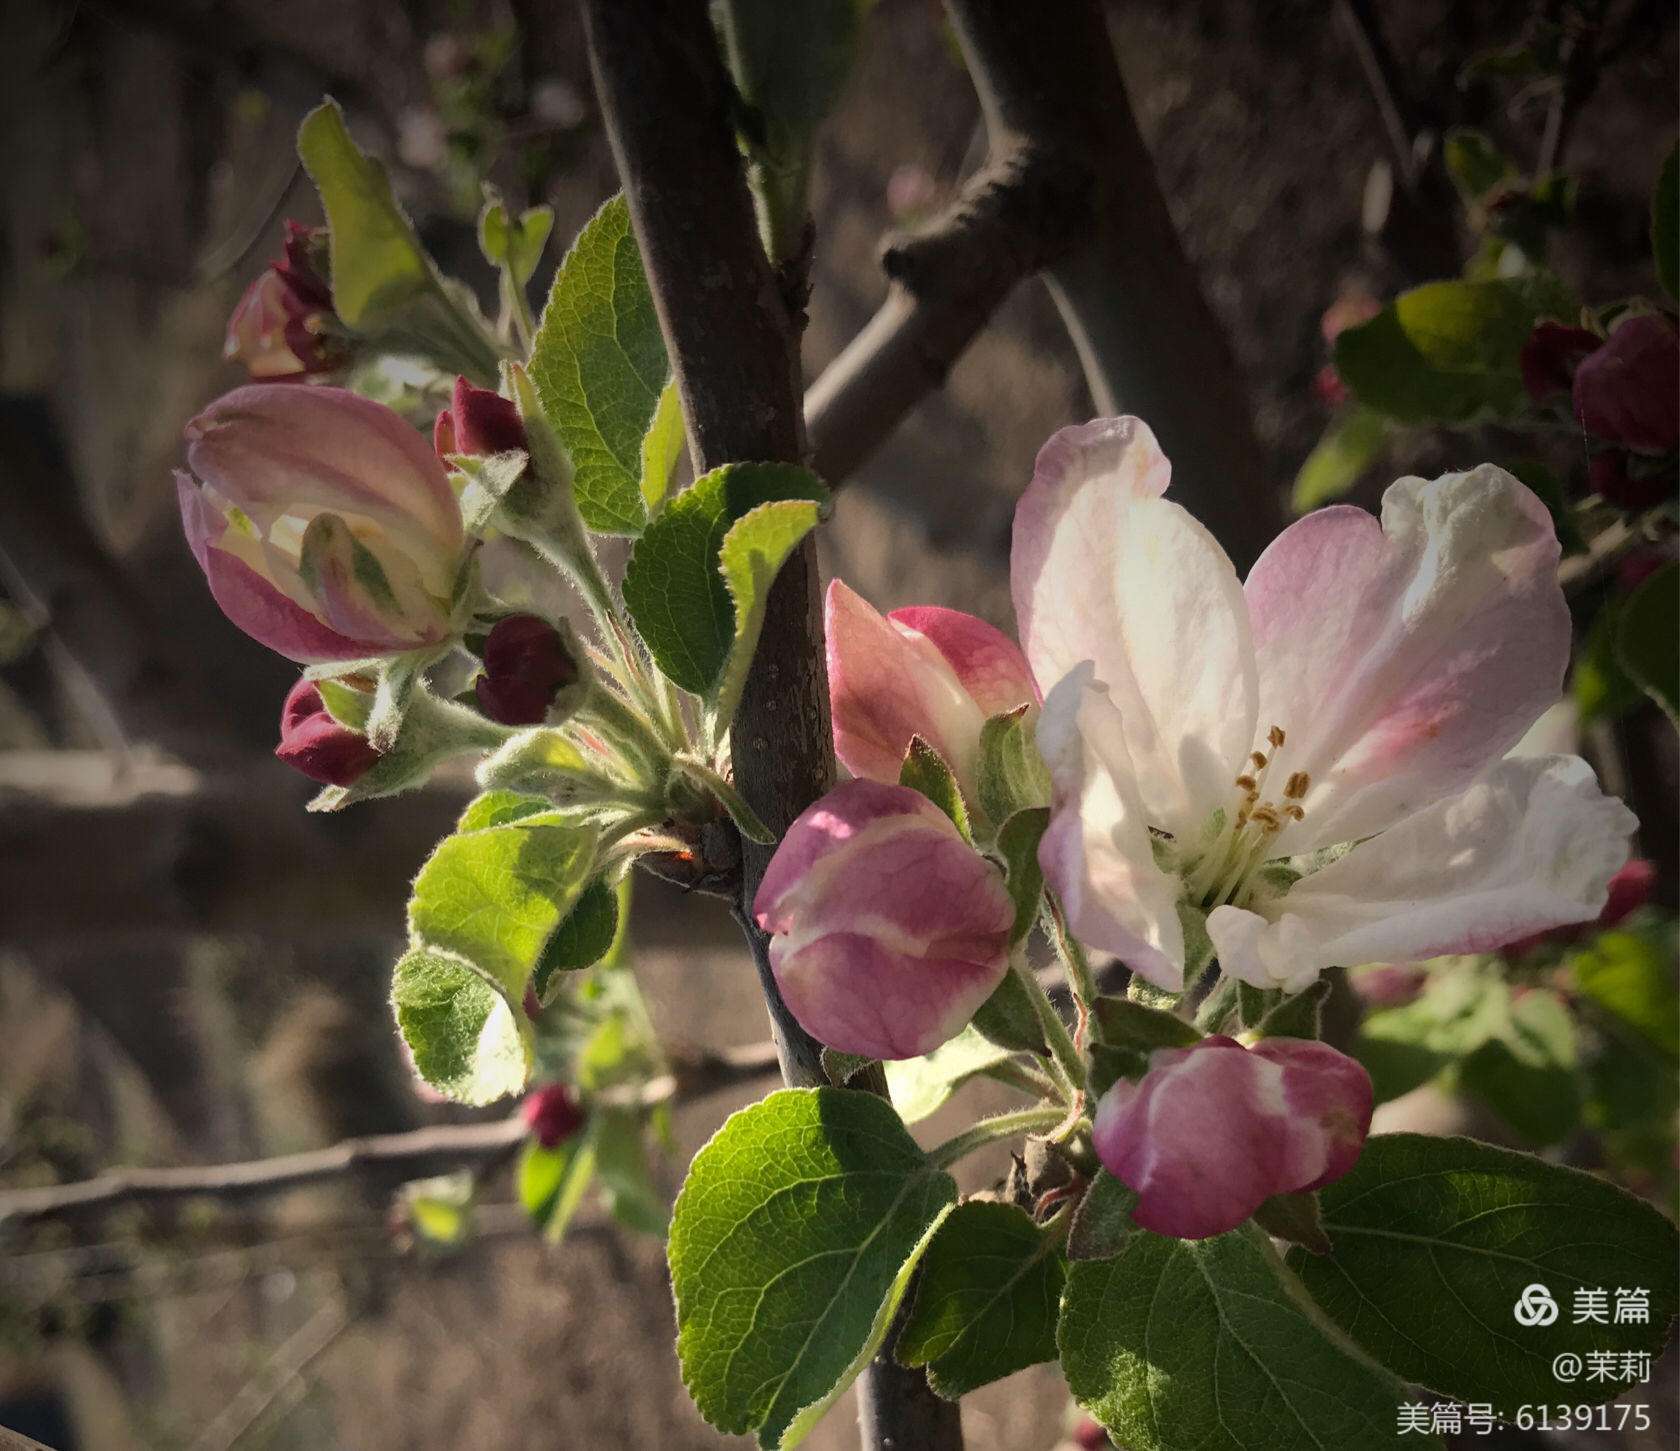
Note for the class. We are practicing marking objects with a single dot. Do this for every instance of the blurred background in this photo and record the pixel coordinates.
(193, 971)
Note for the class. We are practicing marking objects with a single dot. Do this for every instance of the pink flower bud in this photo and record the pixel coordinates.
(1388, 985)
(1628, 392)
(325, 526)
(1214, 1130)
(890, 930)
(312, 742)
(281, 327)
(552, 1114)
(923, 671)
(1630, 889)
(1550, 357)
(526, 663)
(1089, 1435)
(477, 421)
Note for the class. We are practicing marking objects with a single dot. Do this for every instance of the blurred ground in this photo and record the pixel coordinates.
(178, 1014)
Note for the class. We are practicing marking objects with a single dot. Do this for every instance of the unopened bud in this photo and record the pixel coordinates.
(284, 324)
(552, 1114)
(1550, 357)
(477, 421)
(322, 748)
(1628, 392)
(527, 662)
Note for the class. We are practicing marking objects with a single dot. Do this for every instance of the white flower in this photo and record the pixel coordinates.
(1313, 759)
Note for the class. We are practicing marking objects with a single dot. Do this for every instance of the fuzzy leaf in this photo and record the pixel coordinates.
(920, 1086)
(792, 1243)
(467, 1040)
(599, 364)
(1436, 1239)
(924, 770)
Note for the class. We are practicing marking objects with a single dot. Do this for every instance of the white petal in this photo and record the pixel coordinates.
(1404, 660)
(1096, 853)
(1104, 569)
(1530, 846)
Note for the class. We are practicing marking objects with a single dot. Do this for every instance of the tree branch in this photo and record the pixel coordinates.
(382, 1160)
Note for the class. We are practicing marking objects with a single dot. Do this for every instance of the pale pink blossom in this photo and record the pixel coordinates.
(889, 930)
(924, 671)
(1312, 760)
(324, 523)
(1212, 1131)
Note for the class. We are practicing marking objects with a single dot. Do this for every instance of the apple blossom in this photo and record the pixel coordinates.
(324, 523)
(1312, 760)
(280, 327)
(889, 929)
(312, 742)
(924, 671)
(1212, 1131)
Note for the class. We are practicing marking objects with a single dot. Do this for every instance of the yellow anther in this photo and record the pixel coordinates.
(1248, 784)
(1294, 812)
(1296, 787)
(1275, 736)
(1267, 816)
(1258, 759)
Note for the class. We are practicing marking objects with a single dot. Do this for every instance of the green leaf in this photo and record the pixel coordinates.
(1125, 1024)
(1102, 1222)
(1011, 775)
(924, 770)
(1353, 442)
(378, 266)
(920, 1086)
(599, 364)
(674, 584)
(841, 1068)
(789, 59)
(1017, 843)
(1665, 227)
(1527, 1073)
(1010, 1019)
(494, 897)
(662, 446)
(516, 244)
(539, 1178)
(1436, 1239)
(1404, 1047)
(1445, 352)
(793, 1240)
(467, 1040)
(440, 1209)
(1648, 638)
(621, 1164)
(986, 1300)
(1296, 1016)
(498, 808)
(1631, 976)
(1602, 688)
(581, 940)
(1295, 1218)
(345, 704)
(1212, 1344)
(752, 555)
(1475, 164)
(722, 790)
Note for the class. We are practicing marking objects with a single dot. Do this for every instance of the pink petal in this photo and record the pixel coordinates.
(1096, 852)
(1212, 1131)
(1105, 570)
(1533, 845)
(277, 450)
(1402, 659)
(253, 604)
(890, 929)
(886, 684)
(986, 661)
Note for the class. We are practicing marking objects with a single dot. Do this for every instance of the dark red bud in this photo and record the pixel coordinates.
(1617, 478)
(1089, 1436)
(303, 267)
(526, 664)
(1550, 357)
(480, 421)
(312, 742)
(551, 1114)
(1628, 392)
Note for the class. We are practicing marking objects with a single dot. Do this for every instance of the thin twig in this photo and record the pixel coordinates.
(296, 1354)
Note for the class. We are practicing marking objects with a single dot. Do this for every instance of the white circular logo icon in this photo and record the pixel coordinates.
(1535, 1306)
